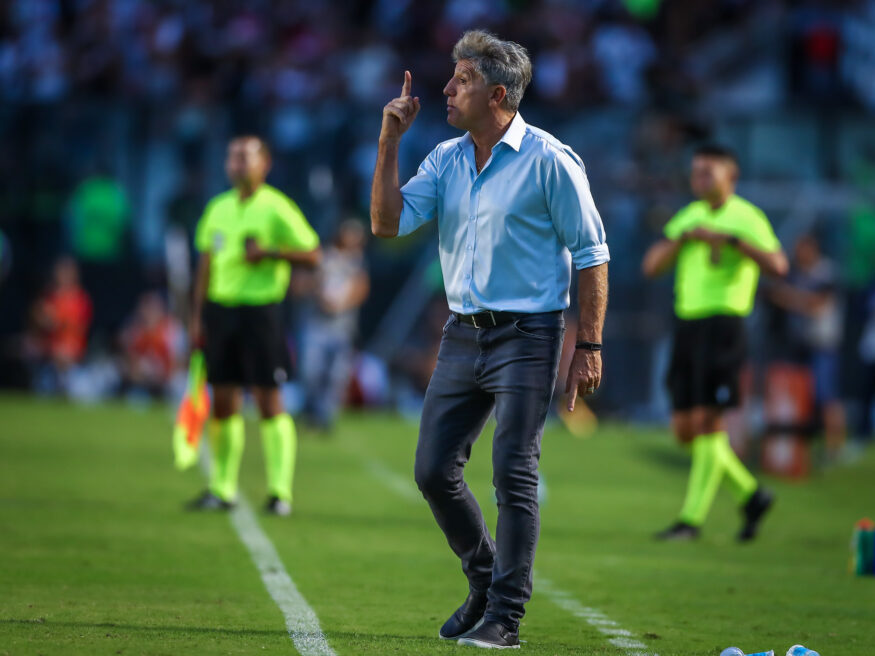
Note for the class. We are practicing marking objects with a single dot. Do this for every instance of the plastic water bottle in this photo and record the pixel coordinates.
(801, 650)
(736, 651)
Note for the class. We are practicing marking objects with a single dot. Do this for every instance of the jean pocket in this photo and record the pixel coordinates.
(450, 321)
(541, 333)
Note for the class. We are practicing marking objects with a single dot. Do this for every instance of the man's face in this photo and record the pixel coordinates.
(467, 97)
(712, 176)
(246, 163)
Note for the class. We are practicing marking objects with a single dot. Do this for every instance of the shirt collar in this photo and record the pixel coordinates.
(513, 136)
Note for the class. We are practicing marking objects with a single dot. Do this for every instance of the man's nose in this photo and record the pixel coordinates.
(448, 90)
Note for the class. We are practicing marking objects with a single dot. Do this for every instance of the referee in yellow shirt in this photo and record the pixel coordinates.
(718, 245)
(249, 237)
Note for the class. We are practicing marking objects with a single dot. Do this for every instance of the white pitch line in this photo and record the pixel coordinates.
(621, 638)
(301, 621)
(391, 479)
(594, 617)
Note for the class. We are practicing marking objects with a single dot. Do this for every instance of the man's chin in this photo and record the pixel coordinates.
(453, 120)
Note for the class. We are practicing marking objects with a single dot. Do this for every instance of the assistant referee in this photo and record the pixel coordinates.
(719, 243)
(249, 237)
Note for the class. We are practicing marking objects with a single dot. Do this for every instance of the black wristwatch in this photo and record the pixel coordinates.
(588, 346)
(733, 241)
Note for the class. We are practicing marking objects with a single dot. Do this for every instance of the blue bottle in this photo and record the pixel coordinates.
(800, 650)
(735, 651)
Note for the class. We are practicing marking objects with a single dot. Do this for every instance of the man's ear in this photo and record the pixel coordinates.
(499, 93)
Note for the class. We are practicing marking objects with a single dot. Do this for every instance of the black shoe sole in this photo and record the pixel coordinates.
(471, 642)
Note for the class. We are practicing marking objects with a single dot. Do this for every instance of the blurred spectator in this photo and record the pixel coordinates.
(816, 48)
(811, 297)
(151, 346)
(625, 52)
(341, 286)
(98, 214)
(58, 333)
(98, 218)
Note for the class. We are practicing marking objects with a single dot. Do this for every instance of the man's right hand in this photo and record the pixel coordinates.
(399, 113)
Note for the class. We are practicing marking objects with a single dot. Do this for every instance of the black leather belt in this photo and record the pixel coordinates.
(488, 319)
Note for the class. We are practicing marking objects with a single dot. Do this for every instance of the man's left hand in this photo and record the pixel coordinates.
(584, 375)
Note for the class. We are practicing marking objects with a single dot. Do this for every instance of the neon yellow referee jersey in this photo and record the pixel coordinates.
(274, 221)
(704, 289)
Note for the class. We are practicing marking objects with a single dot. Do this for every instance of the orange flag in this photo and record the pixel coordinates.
(192, 414)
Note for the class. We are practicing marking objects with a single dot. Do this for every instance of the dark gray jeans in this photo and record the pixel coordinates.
(512, 368)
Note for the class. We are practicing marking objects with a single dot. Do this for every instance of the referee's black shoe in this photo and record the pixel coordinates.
(491, 635)
(753, 511)
(679, 531)
(209, 501)
(466, 617)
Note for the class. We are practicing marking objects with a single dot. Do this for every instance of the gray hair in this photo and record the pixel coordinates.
(498, 62)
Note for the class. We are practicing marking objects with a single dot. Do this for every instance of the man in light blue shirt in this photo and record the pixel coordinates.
(514, 212)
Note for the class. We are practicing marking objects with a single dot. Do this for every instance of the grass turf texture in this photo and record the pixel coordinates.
(97, 556)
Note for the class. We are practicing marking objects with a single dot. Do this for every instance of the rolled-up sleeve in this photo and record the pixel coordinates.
(573, 212)
(420, 196)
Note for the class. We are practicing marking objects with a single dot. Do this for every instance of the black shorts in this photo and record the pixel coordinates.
(706, 362)
(245, 345)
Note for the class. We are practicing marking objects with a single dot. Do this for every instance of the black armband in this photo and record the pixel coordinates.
(588, 346)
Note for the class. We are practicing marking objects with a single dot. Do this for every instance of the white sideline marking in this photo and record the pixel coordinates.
(594, 617)
(301, 622)
(391, 479)
(622, 638)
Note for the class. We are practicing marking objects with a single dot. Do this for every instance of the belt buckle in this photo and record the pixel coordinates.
(491, 316)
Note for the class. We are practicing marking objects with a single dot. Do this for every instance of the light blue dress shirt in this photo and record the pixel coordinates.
(509, 235)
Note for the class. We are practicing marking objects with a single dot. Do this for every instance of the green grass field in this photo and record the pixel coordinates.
(98, 557)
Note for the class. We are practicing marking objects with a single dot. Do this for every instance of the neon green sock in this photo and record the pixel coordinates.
(226, 443)
(280, 441)
(705, 475)
(741, 481)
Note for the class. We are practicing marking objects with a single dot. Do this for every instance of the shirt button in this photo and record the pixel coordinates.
(471, 218)
(470, 248)
(467, 276)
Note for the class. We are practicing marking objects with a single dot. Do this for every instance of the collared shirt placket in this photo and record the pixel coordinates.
(471, 239)
(471, 235)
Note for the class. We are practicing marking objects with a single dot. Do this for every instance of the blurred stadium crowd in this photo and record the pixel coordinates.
(115, 115)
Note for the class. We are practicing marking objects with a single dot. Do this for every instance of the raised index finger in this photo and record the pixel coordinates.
(405, 88)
